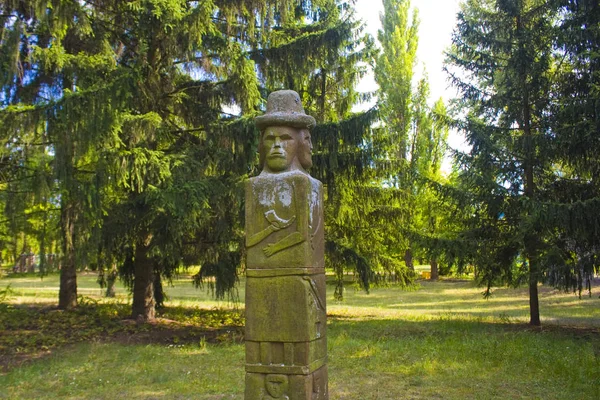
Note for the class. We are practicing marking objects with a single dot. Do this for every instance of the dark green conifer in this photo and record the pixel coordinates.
(527, 175)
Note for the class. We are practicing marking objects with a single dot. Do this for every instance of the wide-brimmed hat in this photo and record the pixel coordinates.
(284, 108)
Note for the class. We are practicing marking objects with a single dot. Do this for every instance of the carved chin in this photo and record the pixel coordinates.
(277, 164)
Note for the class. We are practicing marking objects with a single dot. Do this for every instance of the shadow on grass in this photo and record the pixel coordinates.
(32, 331)
(449, 324)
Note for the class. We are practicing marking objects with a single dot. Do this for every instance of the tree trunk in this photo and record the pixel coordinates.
(30, 263)
(529, 189)
(22, 261)
(65, 168)
(143, 285)
(408, 259)
(67, 295)
(110, 282)
(110, 288)
(534, 305)
(434, 270)
(42, 265)
(159, 293)
(15, 248)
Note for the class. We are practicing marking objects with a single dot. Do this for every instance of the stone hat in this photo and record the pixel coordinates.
(284, 108)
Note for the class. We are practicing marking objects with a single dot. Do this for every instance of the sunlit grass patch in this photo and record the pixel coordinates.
(115, 371)
(452, 359)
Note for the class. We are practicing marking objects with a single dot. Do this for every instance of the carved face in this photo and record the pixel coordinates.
(276, 385)
(280, 145)
(305, 153)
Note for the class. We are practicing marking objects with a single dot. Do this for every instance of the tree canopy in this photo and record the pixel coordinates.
(140, 115)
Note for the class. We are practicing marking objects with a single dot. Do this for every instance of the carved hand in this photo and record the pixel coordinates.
(273, 228)
(284, 243)
(270, 249)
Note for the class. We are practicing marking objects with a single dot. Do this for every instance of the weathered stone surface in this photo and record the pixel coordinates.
(284, 212)
(286, 308)
(286, 348)
(284, 108)
(289, 387)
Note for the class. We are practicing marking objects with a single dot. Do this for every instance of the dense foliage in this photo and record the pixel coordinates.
(526, 73)
(126, 130)
(129, 126)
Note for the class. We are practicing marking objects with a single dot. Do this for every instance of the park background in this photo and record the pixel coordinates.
(461, 208)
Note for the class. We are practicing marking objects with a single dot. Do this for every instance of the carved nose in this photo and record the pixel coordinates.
(277, 142)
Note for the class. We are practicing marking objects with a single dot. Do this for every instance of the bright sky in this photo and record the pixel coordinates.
(437, 20)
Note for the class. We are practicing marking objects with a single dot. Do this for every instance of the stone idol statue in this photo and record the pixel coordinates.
(286, 348)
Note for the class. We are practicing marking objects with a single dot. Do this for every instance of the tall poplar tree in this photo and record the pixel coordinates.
(411, 138)
(394, 73)
(367, 221)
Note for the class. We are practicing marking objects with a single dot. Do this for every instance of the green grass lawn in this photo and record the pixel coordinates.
(441, 340)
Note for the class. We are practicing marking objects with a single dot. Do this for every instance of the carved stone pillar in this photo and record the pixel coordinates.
(286, 348)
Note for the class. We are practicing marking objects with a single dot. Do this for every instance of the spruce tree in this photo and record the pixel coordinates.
(44, 98)
(129, 99)
(191, 214)
(107, 86)
(177, 160)
(321, 54)
(502, 62)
